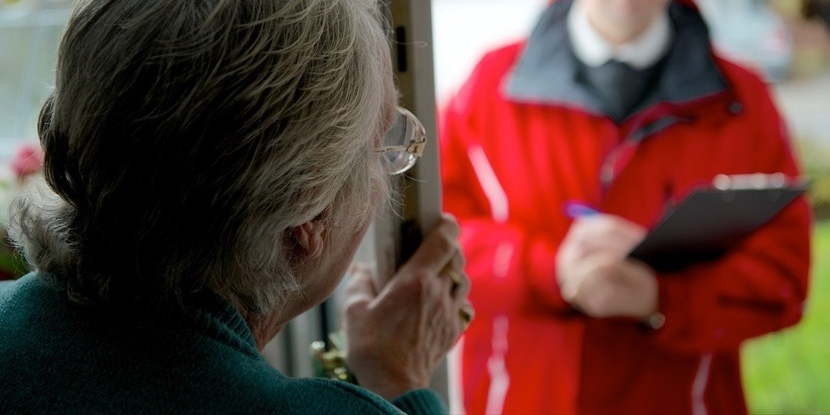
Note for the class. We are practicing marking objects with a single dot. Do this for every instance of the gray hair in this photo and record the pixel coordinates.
(185, 139)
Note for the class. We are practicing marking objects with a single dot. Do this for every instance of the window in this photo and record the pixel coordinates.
(29, 34)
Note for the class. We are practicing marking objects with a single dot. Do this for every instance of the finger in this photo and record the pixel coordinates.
(605, 233)
(577, 285)
(438, 248)
(360, 284)
(621, 230)
(452, 276)
(596, 293)
(593, 234)
(568, 289)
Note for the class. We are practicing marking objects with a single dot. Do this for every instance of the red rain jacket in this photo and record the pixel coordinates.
(521, 138)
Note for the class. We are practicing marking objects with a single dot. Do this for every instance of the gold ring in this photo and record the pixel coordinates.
(466, 314)
(454, 276)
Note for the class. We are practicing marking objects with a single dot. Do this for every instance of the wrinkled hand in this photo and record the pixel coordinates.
(594, 274)
(397, 336)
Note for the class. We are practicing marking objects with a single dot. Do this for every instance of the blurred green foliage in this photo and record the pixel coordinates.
(788, 372)
(815, 158)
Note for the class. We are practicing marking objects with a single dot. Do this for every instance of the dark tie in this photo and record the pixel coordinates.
(619, 86)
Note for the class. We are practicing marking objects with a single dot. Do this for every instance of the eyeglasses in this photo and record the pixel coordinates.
(404, 142)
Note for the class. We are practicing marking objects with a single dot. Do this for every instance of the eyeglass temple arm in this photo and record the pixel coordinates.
(415, 147)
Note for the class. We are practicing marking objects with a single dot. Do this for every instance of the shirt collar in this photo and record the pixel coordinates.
(547, 70)
(593, 50)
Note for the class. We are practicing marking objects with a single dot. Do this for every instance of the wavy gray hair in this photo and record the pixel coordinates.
(185, 139)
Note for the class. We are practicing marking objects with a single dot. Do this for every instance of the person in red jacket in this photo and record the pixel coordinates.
(624, 107)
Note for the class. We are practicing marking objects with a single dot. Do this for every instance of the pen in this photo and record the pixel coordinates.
(576, 209)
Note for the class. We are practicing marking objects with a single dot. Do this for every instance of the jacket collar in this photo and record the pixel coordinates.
(547, 69)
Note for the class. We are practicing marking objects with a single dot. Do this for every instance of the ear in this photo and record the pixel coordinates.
(309, 237)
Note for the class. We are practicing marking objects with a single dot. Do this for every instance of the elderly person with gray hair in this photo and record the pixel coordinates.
(212, 166)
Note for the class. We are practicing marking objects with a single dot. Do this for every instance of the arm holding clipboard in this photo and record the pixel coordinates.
(712, 220)
(706, 224)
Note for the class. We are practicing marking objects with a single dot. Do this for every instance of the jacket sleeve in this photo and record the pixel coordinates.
(761, 286)
(503, 259)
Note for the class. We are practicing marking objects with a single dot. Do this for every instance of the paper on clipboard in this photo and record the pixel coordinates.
(710, 221)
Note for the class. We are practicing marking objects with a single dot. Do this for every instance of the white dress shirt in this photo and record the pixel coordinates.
(639, 53)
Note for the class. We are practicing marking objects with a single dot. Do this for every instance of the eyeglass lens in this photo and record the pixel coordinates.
(401, 134)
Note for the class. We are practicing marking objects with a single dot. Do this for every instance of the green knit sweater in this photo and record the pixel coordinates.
(57, 357)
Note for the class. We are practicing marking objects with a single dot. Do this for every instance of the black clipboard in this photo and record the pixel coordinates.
(710, 221)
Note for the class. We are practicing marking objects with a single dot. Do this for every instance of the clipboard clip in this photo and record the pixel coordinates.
(754, 181)
(750, 181)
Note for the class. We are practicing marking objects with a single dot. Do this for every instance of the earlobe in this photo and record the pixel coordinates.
(309, 237)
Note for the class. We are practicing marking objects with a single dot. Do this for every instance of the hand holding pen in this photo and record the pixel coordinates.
(593, 273)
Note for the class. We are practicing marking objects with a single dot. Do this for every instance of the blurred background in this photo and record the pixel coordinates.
(785, 40)
(788, 42)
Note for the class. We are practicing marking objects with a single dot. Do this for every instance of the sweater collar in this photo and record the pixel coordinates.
(215, 317)
(547, 69)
